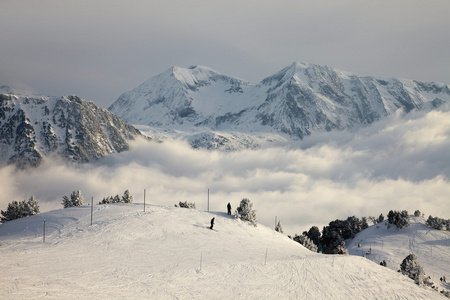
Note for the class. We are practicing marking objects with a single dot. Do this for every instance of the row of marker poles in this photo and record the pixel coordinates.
(92, 215)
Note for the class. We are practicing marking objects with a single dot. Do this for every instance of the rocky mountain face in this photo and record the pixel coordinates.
(33, 128)
(295, 102)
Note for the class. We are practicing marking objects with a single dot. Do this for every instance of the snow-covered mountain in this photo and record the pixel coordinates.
(170, 253)
(294, 102)
(34, 127)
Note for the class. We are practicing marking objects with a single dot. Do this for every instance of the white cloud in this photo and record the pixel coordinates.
(400, 163)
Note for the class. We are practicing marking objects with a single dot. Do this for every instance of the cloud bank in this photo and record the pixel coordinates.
(400, 163)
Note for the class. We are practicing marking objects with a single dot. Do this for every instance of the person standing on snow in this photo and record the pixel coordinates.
(212, 223)
(229, 208)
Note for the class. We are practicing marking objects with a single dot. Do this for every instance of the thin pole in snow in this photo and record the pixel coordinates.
(144, 200)
(265, 260)
(92, 208)
(44, 230)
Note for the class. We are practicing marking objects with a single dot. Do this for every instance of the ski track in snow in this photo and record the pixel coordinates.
(168, 253)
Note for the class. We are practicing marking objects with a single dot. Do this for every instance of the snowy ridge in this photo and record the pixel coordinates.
(169, 253)
(32, 128)
(295, 102)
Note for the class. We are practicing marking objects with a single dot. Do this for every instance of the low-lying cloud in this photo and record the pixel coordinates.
(400, 163)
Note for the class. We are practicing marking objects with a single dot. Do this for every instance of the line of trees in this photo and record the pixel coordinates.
(438, 223)
(21, 209)
(25, 208)
(331, 240)
(126, 198)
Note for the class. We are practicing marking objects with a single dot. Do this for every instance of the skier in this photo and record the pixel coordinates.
(212, 223)
(229, 208)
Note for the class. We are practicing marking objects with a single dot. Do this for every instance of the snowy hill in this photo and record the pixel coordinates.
(169, 253)
(431, 246)
(34, 127)
(295, 102)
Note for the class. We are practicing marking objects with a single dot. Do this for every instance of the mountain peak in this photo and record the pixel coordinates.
(72, 128)
(304, 72)
(193, 75)
(300, 99)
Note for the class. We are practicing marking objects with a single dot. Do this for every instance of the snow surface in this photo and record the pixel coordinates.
(392, 245)
(169, 253)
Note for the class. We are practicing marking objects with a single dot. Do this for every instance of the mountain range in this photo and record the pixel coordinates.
(33, 127)
(208, 109)
(293, 103)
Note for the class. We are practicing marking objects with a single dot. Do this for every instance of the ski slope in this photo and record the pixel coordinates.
(169, 253)
(431, 246)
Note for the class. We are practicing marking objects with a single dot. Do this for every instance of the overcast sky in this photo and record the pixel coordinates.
(100, 49)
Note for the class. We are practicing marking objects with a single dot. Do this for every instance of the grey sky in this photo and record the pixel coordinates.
(100, 49)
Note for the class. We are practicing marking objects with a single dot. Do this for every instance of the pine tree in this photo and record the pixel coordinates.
(306, 242)
(278, 228)
(314, 234)
(126, 198)
(17, 210)
(411, 267)
(186, 204)
(76, 199)
(116, 199)
(399, 219)
(246, 212)
(380, 218)
(66, 202)
(32, 207)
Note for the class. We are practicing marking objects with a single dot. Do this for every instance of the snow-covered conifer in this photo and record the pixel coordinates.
(246, 212)
(20, 209)
(32, 207)
(76, 199)
(411, 267)
(126, 198)
(380, 218)
(186, 204)
(399, 219)
(116, 199)
(306, 242)
(438, 223)
(278, 228)
(66, 202)
(314, 234)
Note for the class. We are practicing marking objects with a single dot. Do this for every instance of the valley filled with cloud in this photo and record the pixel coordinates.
(402, 162)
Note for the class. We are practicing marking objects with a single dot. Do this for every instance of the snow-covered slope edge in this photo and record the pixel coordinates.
(431, 246)
(169, 253)
(32, 128)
